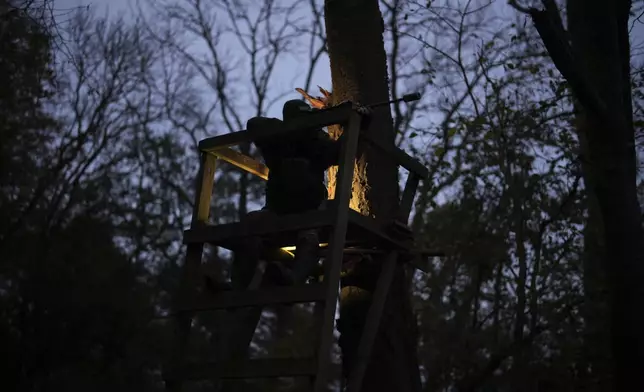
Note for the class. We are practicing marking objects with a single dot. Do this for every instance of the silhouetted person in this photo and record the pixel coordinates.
(297, 162)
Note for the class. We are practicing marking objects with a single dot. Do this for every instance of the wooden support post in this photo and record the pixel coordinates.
(190, 270)
(240, 331)
(372, 323)
(407, 200)
(333, 264)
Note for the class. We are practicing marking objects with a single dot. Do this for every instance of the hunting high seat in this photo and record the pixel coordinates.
(340, 227)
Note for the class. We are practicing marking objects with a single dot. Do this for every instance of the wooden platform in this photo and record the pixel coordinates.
(256, 298)
(281, 231)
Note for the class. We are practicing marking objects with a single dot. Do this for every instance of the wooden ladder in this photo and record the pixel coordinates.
(334, 223)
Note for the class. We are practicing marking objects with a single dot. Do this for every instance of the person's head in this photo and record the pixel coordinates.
(294, 108)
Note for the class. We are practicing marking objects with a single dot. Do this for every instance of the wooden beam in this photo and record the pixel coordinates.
(407, 199)
(224, 234)
(242, 161)
(376, 230)
(248, 368)
(318, 119)
(226, 140)
(406, 252)
(372, 323)
(401, 157)
(190, 271)
(420, 262)
(333, 264)
(206, 179)
(281, 230)
(417, 258)
(261, 297)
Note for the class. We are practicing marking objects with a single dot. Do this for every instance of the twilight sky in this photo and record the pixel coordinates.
(290, 73)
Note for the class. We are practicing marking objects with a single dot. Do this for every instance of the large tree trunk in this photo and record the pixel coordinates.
(600, 42)
(596, 352)
(359, 73)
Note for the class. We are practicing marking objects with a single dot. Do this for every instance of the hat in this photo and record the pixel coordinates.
(294, 108)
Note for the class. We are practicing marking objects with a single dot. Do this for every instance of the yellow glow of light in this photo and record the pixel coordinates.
(290, 249)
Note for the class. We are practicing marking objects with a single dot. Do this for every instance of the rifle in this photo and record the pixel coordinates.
(406, 98)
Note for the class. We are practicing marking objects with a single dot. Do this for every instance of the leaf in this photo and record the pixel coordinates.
(439, 152)
(451, 132)
(413, 135)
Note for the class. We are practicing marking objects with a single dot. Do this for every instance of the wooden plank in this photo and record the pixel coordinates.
(420, 259)
(204, 195)
(401, 157)
(242, 161)
(190, 271)
(318, 119)
(237, 334)
(415, 257)
(248, 368)
(420, 262)
(409, 193)
(372, 251)
(375, 228)
(226, 140)
(249, 298)
(219, 234)
(333, 265)
(372, 323)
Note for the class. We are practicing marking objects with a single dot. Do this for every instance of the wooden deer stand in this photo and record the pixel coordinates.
(338, 225)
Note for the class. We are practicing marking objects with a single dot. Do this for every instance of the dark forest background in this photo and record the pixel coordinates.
(100, 115)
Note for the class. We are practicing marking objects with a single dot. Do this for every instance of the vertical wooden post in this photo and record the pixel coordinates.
(333, 263)
(372, 323)
(407, 199)
(190, 270)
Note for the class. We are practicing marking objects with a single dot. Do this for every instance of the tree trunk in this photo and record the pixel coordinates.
(596, 350)
(359, 73)
(519, 363)
(600, 43)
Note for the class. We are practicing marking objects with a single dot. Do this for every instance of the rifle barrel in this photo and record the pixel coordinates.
(406, 98)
